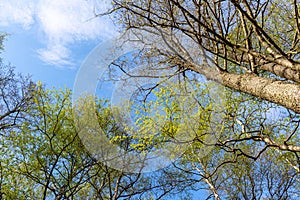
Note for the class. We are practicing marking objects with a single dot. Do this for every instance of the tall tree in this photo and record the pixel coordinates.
(253, 45)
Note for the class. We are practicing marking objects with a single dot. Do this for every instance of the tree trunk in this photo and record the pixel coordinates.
(279, 92)
(276, 91)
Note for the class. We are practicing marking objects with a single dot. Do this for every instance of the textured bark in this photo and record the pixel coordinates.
(281, 71)
(287, 72)
(280, 92)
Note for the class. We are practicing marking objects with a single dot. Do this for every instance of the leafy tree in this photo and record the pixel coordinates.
(240, 165)
(44, 158)
(256, 154)
(243, 166)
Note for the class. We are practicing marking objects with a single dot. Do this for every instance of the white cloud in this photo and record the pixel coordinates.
(17, 11)
(67, 22)
(70, 19)
(56, 55)
(61, 22)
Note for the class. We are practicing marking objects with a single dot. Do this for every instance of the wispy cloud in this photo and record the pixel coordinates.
(57, 55)
(17, 12)
(62, 22)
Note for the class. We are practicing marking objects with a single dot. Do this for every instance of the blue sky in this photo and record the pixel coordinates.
(49, 39)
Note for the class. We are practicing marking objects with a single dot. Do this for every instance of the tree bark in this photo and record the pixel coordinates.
(287, 72)
(280, 92)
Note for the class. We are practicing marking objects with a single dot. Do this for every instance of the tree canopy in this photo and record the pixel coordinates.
(239, 128)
